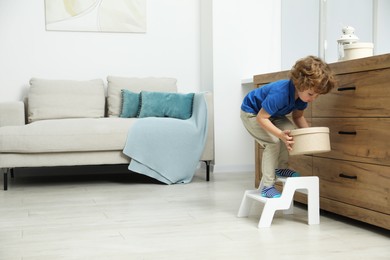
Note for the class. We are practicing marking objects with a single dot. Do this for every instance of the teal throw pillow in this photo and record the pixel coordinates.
(130, 103)
(166, 104)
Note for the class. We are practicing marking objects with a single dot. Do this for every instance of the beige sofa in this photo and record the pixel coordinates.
(67, 123)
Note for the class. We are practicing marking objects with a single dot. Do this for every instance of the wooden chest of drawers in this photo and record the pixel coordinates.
(355, 174)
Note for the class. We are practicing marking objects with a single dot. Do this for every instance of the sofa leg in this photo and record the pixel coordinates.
(12, 173)
(207, 170)
(5, 179)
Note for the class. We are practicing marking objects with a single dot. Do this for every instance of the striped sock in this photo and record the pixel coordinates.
(270, 192)
(286, 173)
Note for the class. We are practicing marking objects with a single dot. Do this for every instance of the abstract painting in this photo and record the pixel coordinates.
(96, 15)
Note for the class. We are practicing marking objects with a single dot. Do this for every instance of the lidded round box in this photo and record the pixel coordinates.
(358, 50)
(310, 140)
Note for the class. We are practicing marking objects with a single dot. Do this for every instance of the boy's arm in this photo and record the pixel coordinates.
(299, 119)
(263, 119)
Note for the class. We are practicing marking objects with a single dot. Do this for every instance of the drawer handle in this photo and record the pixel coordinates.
(346, 88)
(347, 133)
(342, 175)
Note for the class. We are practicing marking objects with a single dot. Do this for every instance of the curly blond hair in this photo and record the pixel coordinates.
(312, 73)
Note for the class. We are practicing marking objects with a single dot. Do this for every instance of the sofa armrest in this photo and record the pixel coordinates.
(208, 152)
(12, 113)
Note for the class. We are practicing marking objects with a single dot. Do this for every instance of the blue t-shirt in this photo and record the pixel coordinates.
(277, 98)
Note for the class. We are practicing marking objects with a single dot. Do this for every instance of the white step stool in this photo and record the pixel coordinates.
(305, 184)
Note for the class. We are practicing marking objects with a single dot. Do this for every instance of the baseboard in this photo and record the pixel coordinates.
(234, 168)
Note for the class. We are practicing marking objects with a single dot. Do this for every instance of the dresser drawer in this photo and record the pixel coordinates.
(302, 164)
(364, 94)
(359, 184)
(358, 139)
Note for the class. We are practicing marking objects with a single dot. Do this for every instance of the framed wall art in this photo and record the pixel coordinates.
(96, 15)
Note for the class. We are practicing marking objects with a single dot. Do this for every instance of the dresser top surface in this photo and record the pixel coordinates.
(340, 67)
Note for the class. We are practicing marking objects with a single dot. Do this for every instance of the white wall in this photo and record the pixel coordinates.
(382, 32)
(300, 33)
(300, 27)
(206, 45)
(359, 17)
(300, 30)
(169, 48)
(246, 41)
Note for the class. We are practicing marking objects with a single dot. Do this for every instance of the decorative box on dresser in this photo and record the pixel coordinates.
(355, 174)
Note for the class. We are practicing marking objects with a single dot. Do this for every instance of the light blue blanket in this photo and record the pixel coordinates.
(168, 149)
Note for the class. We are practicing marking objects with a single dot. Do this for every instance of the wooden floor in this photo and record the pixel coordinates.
(59, 215)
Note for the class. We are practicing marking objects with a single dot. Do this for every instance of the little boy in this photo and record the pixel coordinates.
(264, 110)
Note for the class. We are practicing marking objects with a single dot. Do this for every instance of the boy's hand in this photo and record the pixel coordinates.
(287, 139)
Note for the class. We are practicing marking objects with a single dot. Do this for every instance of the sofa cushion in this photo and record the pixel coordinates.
(55, 99)
(116, 84)
(66, 135)
(130, 103)
(163, 104)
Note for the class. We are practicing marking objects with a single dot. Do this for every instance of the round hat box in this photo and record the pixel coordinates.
(310, 140)
(358, 50)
